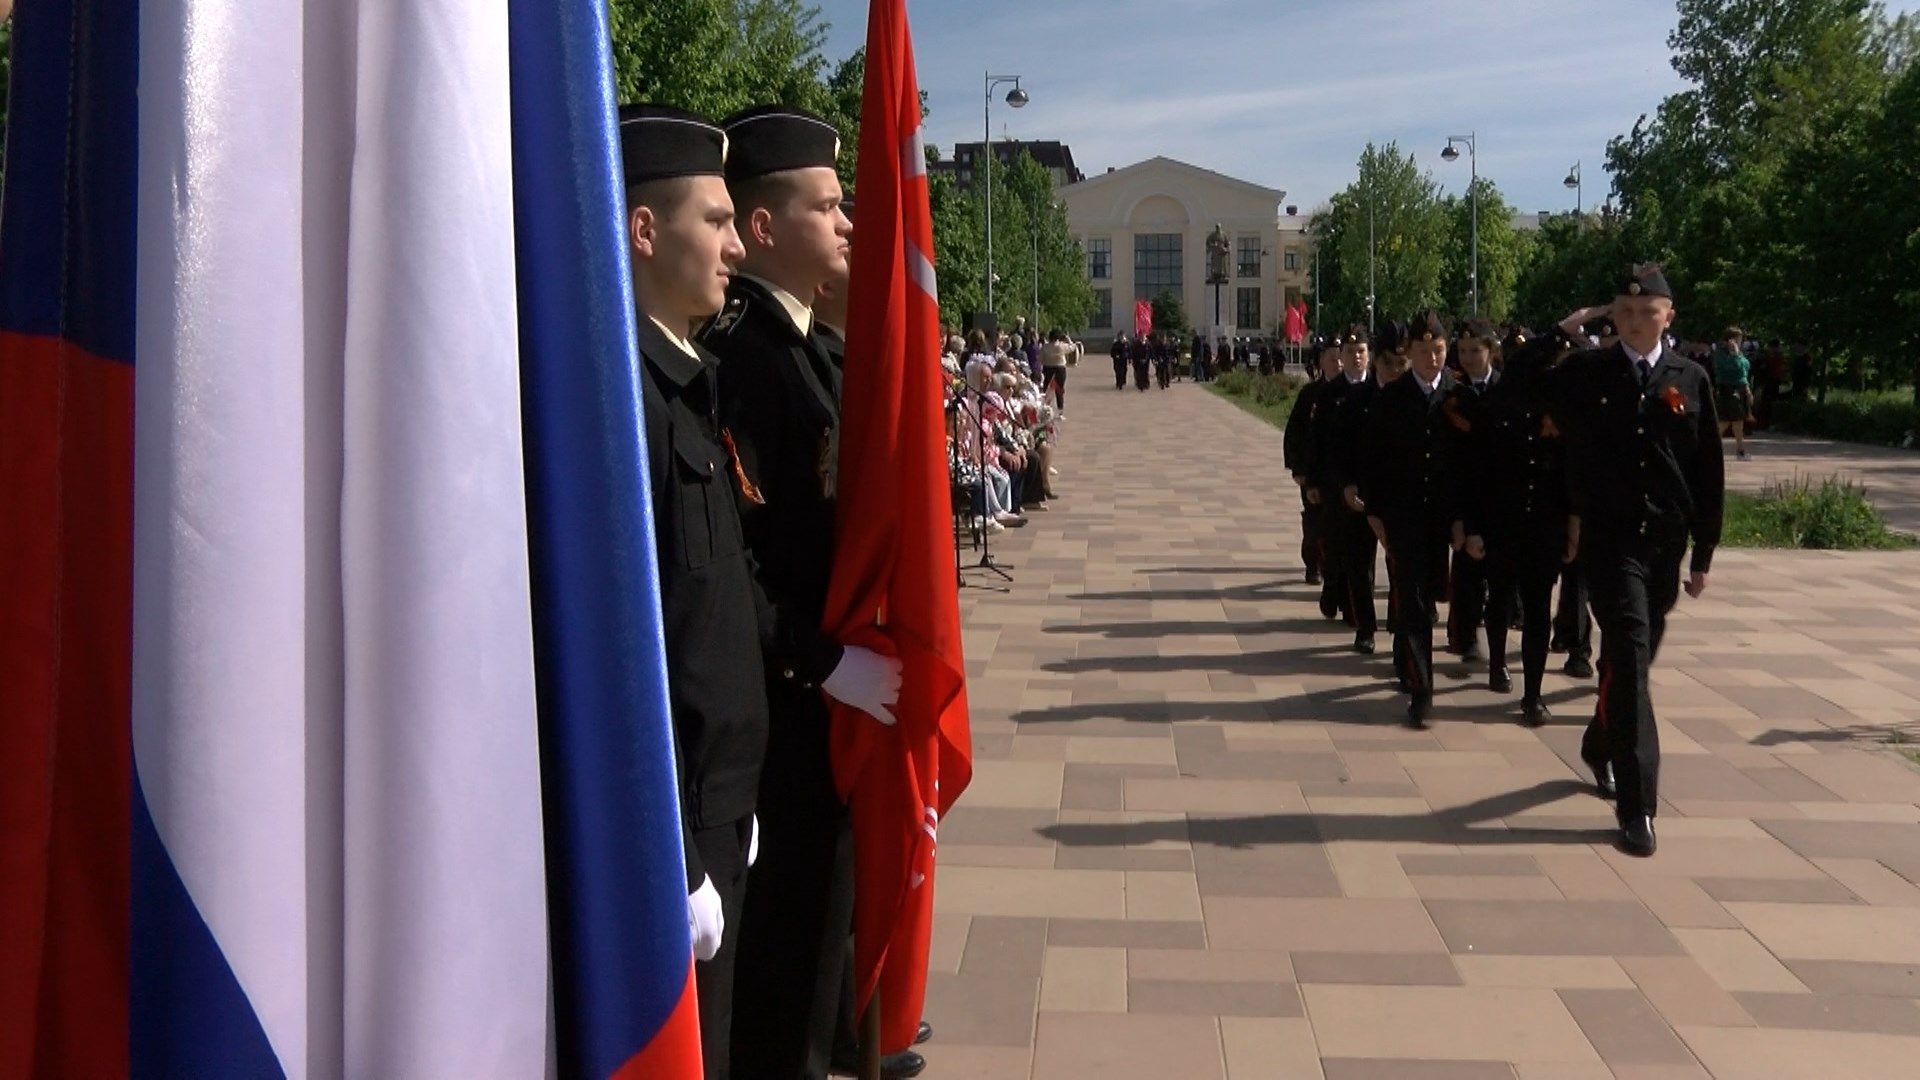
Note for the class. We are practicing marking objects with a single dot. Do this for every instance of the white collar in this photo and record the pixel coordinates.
(1435, 384)
(680, 341)
(1351, 381)
(1651, 358)
(798, 313)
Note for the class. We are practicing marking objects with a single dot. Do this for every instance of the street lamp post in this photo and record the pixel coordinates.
(1017, 98)
(1473, 190)
(1371, 290)
(1576, 182)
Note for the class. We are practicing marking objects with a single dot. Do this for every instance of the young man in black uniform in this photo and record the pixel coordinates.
(1120, 353)
(1294, 447)
(779, 414)
(1322, 488)
(1573, 617)
(1515, 507)
(684, 248)
(1645, 476)
(1467, 584)
(1142, 354)
(1408, 495)
(1348, 531)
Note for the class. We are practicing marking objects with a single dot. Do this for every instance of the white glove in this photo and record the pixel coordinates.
(753, 843)
(866, 681)
(705, 921)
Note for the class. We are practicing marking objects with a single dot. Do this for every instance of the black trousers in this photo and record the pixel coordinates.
(1119, 374)
(799, 905)
(1333, 566)
(1634, 581)
(723, 849)
(1057, 383)
(1572, 621)
(1359, 551)
(1417, 554)
(1165, 373)
(1140, 374)
(1309, 535)
(1523, 562)
(1466, 601)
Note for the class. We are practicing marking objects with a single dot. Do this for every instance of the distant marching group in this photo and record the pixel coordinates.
(1528, 461)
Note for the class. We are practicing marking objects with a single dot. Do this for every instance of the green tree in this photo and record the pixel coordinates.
(1031, 235)
(1170, 316)
(1390, 219)
(1503, 249)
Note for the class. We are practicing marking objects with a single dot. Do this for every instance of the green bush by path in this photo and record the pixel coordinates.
(1833, 515)
(1269, 397)
(1878, 417)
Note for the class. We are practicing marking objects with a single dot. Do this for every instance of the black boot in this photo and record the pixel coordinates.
(1636, 835)
(1534, 712)
(1499, 680)
(1417, 711)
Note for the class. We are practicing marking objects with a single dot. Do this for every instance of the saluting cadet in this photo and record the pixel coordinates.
(1352, 545)
(1645, 475)
(1474, 346)
(1515, 508)
(683, 247)
(1295, 444)
(779, 413)
(1409, 498)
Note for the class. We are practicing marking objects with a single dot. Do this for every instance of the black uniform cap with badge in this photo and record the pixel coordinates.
(1478, 329)
(1647, 279)
(1391, 338)
(1429, 325)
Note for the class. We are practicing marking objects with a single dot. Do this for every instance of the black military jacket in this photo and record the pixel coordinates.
(711, 610)
(1641, 459)
(1510, 465)
(780, 404)
(1404, 477)
(1295, 439)
(1349, 413)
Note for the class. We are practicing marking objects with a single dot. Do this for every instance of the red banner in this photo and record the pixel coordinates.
(1142, 318)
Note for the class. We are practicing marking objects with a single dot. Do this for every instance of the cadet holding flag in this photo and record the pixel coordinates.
(1645, 475)
(780, 419)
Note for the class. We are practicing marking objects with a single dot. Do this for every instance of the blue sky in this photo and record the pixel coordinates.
(1287, 93)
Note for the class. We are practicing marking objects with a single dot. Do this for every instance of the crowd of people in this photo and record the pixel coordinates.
(1158, 357)
(1492, 467)
(1001, 427)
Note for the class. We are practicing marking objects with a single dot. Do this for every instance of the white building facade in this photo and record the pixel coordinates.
(1145, 227)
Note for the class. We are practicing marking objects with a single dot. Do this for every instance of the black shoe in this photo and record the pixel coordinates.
(1468, 652)
(1534, 712)
(1417, 711)
(1557, 645)
(1329, 608)
(1499, 680)
(1636, 835)
(1363, 644)
(900, 1066)
(1603, 778)
(1578, 667)
(1313, 577)
(922, 1035)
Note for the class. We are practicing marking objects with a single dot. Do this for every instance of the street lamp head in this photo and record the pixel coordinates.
(1017, 97)
(1572, 180)
(1450, 154)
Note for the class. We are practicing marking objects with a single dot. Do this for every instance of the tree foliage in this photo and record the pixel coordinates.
(1778, 187)
(1390, 220)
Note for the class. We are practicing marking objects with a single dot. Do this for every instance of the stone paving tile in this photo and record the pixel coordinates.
(1199, 844)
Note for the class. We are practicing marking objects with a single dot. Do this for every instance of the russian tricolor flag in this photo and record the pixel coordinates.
(330, 666)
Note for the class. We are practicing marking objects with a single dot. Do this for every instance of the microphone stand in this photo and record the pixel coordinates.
(980, 463)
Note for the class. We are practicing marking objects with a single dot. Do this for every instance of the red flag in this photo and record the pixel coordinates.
(1142, 318)
(1296, 323)
(892, 585)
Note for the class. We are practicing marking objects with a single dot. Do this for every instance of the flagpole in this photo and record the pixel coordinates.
(870, 1039)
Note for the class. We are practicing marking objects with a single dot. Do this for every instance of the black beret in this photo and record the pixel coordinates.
(1647, 280)
(1479, 330)
(1356, 335)
(1516, 340)
(1524, 352)
(659, 142)
(1429, 325)
(776, 138)
(1391, 338)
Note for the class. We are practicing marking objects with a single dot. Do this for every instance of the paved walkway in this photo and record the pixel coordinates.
(1891, 477)
(1200, 845)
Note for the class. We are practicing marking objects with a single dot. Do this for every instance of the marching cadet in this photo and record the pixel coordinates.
(1119, 352)
(779, 415)
(1644, 475)
(1142, 354)
(683, 247)
(1351, 546)
(1516, 511)
(1467, 586)
(1409, 498)
(1573, 615)
(1294, 452)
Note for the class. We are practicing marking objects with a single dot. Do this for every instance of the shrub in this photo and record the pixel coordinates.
(1833, 515)
(1880, 417)
(1267, 396)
